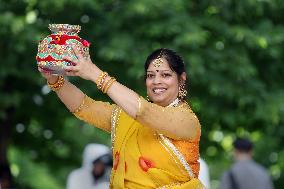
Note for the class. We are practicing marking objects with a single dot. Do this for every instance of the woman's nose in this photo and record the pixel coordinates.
(157, 80)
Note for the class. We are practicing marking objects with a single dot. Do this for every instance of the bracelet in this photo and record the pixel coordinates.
(100, 80)
(57, 85)
(78, 109)
(108, 84)
(105, 84)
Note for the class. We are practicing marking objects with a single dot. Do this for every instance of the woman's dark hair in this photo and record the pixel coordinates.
(175, 61)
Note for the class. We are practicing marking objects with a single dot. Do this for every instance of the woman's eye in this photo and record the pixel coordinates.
(166, 75)
(150, 75)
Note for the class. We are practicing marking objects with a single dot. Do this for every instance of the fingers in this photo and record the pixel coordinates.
(89, 58)
(77, 52)
(39, 69)
(71, 73)
(72, 70)
(43, 71)
(70, 59)
(79, 57)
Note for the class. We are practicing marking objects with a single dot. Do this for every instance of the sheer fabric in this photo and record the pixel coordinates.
(144, 157)
(95, 113)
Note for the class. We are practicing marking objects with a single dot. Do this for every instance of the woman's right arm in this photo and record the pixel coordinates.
(93, 112)
(69, 94)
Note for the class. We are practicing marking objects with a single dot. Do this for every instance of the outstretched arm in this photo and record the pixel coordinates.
(159, 118)
(69, 94)
(93, 112)
(124, 97)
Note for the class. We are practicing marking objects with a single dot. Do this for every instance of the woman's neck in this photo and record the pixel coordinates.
(174, 103)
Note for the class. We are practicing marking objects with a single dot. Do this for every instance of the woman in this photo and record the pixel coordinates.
(155, 144)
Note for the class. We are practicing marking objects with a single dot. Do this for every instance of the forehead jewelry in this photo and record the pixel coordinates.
(158, 61)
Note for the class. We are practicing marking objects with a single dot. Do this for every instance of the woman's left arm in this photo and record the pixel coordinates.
(151, 115)
(124, 97)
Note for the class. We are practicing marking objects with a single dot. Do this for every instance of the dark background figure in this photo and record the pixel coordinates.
(101, 171)
(245, 173)
(5, 177)
(95, 170)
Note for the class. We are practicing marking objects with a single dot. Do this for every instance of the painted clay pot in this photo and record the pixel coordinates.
(53, 48)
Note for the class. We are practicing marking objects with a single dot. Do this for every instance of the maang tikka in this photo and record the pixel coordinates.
(158, 61)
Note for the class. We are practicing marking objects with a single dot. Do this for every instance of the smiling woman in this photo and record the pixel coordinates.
(165, 74)
(155, 144)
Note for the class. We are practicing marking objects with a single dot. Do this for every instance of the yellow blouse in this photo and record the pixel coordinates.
(95, 113)
(143, 157)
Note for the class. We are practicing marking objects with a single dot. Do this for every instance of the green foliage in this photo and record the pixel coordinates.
(234, 56)
(24, 169)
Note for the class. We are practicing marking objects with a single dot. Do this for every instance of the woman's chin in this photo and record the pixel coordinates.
(158, 100)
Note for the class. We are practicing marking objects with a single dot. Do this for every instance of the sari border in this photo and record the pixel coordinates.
(114, 119)
(178, 154)
(171, 185)
(171, 154)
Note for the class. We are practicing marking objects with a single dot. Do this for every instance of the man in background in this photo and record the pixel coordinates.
(245, 173)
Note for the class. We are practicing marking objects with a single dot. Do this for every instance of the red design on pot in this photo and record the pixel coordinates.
(53, 48)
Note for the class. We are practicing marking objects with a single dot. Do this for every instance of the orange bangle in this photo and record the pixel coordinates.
(105, 83)
(100, 79)
(57, 85)
(108, 85)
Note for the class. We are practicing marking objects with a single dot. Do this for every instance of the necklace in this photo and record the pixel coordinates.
(174, 103)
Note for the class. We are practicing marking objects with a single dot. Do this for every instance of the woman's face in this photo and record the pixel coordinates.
(162, 83)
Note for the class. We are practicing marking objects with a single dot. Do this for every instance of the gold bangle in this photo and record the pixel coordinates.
(101, 79)
(108, 85)
(105, 83)
(57, 85)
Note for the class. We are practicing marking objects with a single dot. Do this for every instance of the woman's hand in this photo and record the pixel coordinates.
(48, 76)
(83, 67)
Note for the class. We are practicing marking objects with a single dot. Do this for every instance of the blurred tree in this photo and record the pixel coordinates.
(234, 56)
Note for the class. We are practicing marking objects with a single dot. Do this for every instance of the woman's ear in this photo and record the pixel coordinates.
(183, 77)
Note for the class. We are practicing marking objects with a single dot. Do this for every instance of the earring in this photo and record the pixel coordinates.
(182, 92)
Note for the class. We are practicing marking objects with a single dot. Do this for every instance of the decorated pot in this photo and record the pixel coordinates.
(53, 48)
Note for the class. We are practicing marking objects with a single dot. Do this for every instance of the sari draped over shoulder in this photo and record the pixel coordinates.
(146, 158)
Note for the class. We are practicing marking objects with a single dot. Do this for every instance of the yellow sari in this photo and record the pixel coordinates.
(145, 158)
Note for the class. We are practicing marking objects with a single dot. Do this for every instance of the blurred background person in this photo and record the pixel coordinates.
(245, 173)
(95, 170)
(204, 174)
(5, 177)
